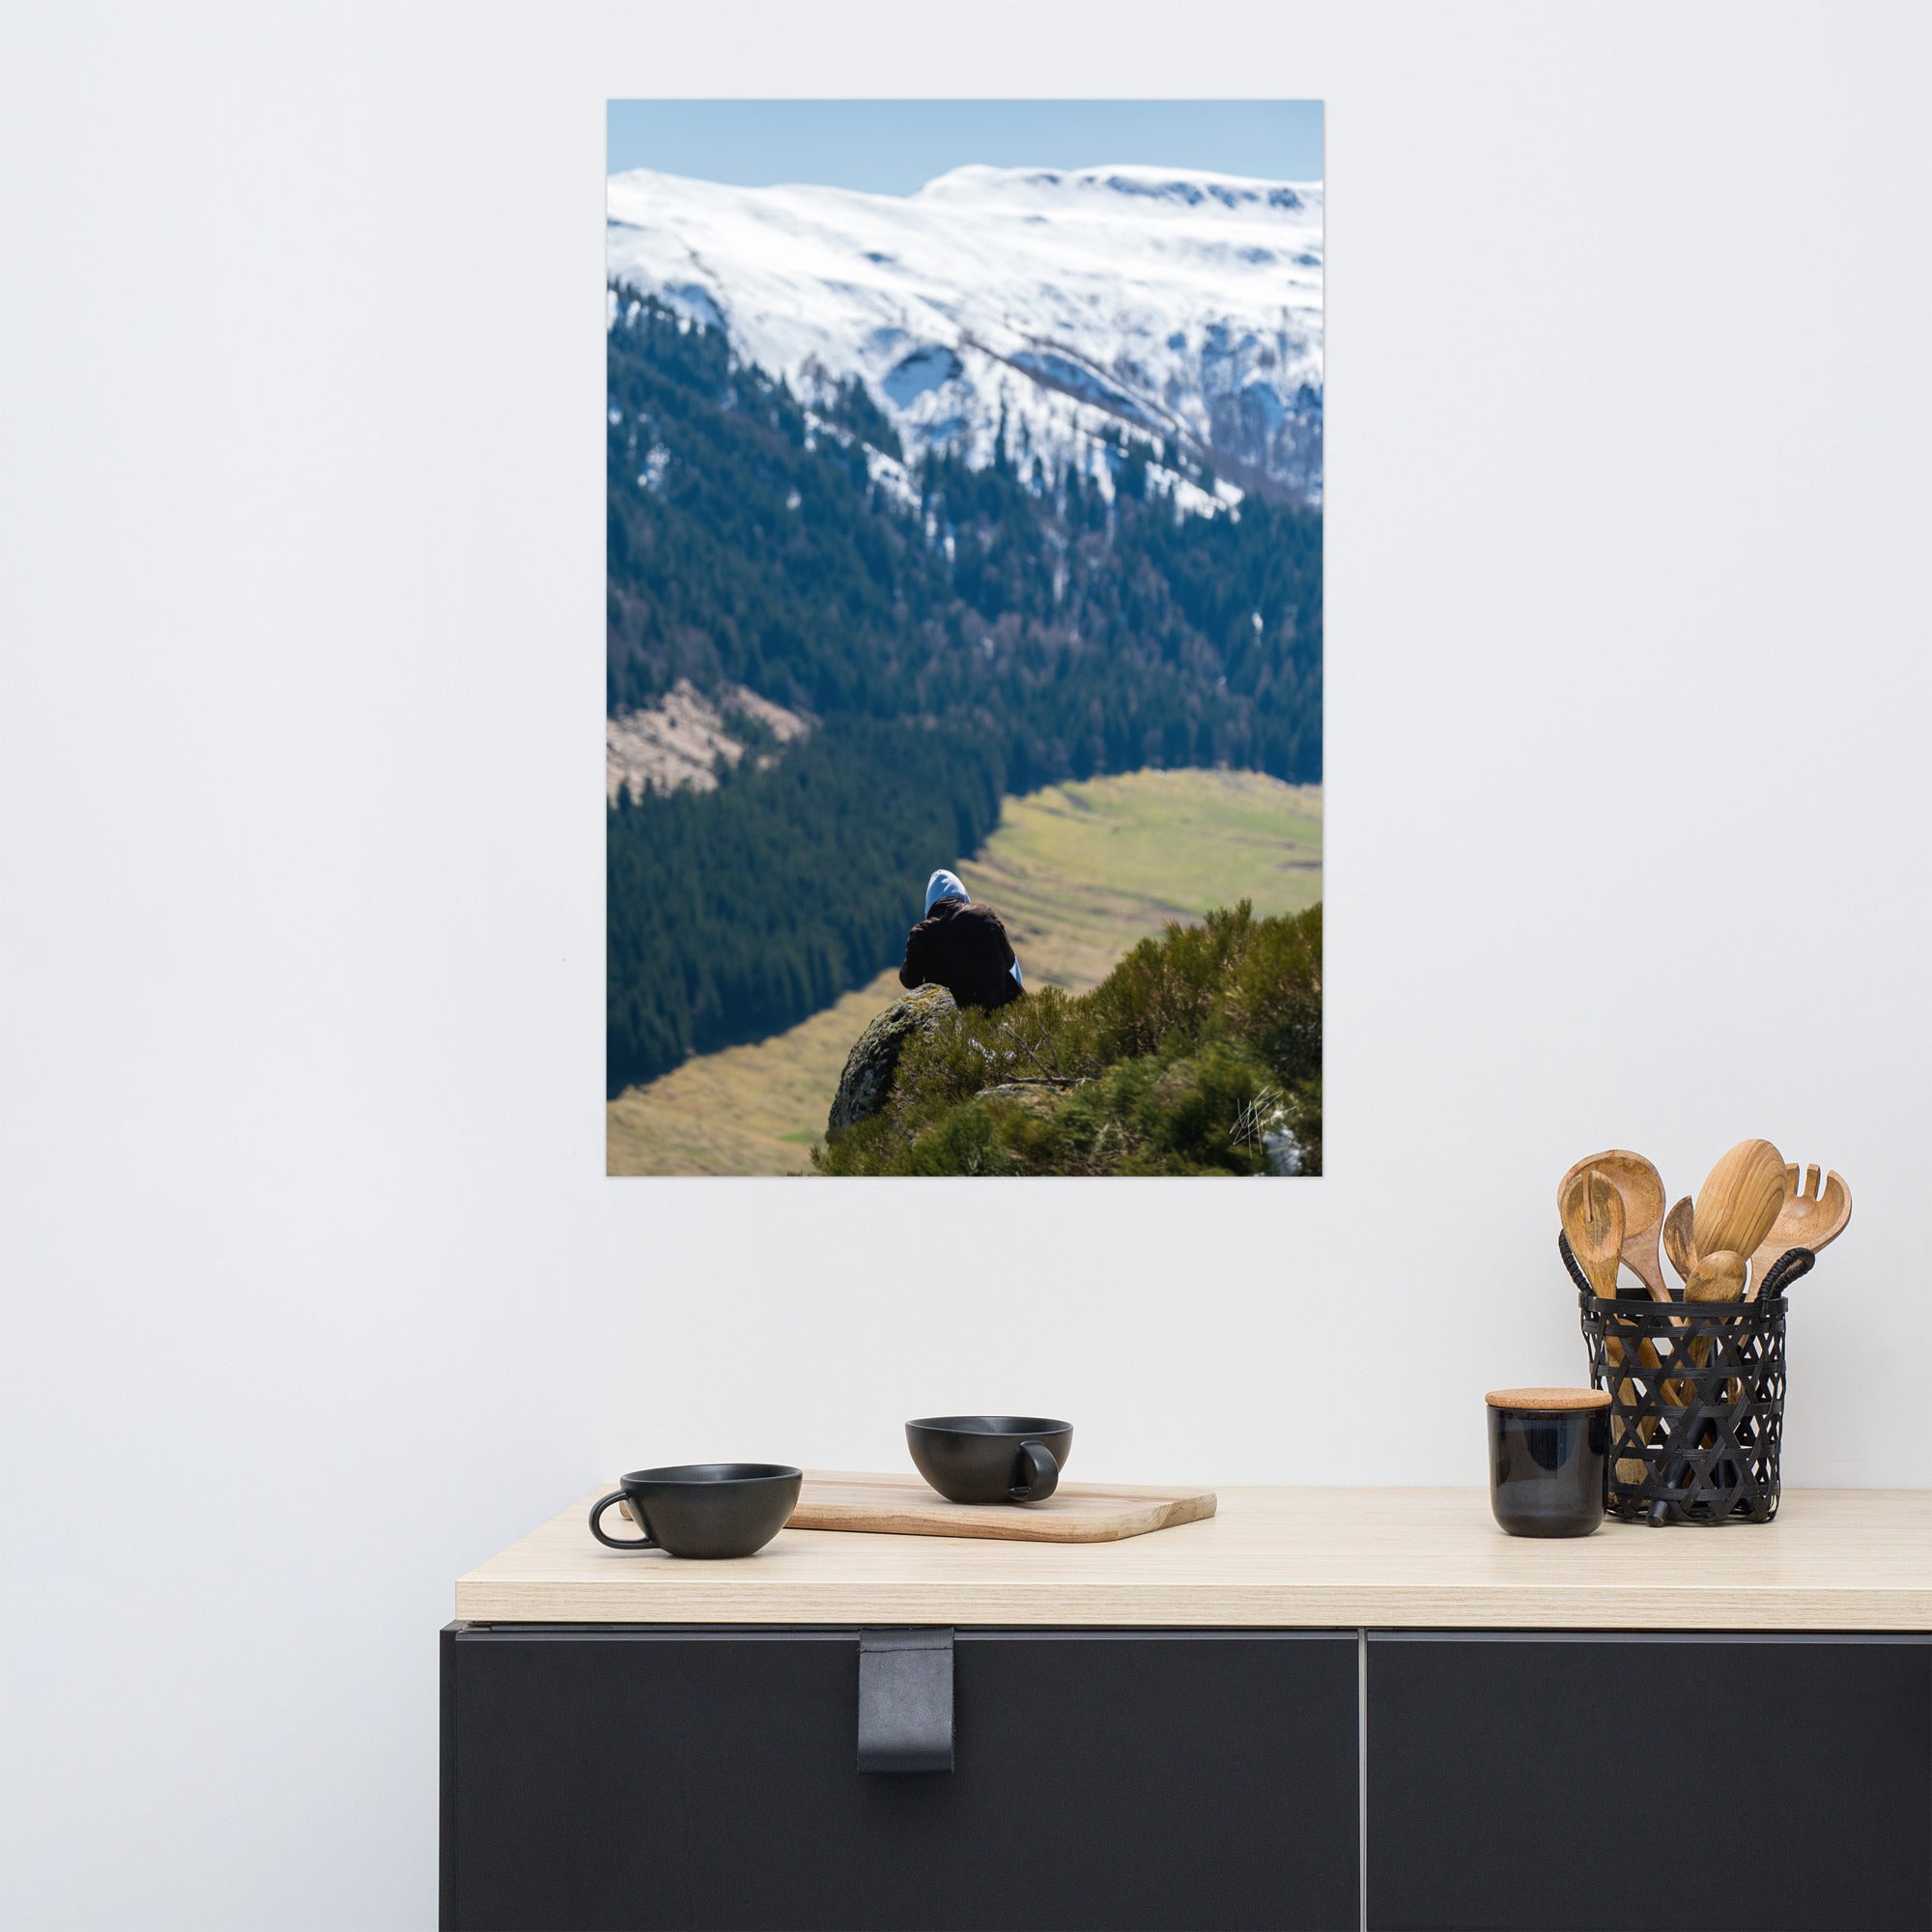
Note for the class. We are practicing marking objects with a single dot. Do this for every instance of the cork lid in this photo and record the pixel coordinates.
(1548, 1401)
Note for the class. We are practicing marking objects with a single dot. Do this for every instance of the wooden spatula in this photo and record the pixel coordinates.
(1680, 1240)
(1739, 1200)
(1641, 1187)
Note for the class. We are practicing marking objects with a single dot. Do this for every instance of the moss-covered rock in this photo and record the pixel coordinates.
(870, 1068)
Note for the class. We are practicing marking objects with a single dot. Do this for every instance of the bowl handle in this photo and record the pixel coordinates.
(1037, 1471)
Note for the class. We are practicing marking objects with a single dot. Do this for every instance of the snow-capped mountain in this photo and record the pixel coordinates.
(1177, 304)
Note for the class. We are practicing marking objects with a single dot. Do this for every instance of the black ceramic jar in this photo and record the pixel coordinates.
(1549, 1458)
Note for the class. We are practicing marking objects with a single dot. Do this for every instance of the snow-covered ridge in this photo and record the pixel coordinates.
(1177, 303)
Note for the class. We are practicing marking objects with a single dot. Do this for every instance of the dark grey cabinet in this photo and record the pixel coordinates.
(1582, 1782)
(597, 1778)
(604, 1778)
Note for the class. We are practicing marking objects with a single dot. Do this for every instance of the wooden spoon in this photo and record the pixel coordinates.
(1739, 1200)
(1593, 1218)
(1641, 1187)
(1680, 1240)
(1716, 1277)
(1807, 1218)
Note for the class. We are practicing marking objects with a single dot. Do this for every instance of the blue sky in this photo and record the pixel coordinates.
(893, 147)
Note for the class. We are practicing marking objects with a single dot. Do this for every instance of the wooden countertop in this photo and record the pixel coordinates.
(1835, 1559)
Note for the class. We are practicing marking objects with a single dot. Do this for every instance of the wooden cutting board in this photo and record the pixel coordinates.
(1075, 1512)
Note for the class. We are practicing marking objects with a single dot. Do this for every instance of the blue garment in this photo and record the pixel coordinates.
(945, 885)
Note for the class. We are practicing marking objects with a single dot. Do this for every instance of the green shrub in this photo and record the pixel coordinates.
(1195, 1048)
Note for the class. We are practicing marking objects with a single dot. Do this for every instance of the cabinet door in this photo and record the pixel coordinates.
(1621, 1781)
(602, 1778)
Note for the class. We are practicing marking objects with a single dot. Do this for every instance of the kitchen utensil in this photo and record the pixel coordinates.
(1716, 1277)
(1680, 1241)
(901, 1505)
(1739, 1200)
(1546, 1451)
(1807, 1218)
(1592, 1211)
(702, 1509)
(1641, 1187)
(990, 1458)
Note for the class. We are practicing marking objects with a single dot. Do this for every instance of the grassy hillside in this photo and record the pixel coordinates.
(1080, 873)
(1198, 1054)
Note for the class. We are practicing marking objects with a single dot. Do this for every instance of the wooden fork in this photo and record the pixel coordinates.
(1809, 1217)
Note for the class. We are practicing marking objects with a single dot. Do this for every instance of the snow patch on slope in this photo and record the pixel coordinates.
(1072, 305)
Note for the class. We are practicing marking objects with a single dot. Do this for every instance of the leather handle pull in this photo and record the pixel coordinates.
(905, 1700)
(1789, 1267)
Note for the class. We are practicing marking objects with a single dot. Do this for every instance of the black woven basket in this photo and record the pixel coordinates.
(1696, 1401)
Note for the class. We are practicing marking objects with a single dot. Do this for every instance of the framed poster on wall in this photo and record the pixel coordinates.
(963, 733)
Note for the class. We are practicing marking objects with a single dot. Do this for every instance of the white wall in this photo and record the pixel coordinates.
(315, 1292)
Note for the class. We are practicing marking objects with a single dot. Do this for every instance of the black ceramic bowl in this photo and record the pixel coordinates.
(703, 1509)
(1548, 1460)
(990, 1458)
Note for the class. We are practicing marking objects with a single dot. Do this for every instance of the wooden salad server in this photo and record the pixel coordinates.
(1641, 1187)
(1809, 1216)
(1592, 1211)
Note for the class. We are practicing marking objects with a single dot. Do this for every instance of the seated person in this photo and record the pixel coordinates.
(962, 946)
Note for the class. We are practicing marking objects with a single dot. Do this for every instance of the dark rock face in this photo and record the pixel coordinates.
(867, 1082)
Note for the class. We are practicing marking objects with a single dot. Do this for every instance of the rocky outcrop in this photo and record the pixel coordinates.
(872, 1064)
(677, 740)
